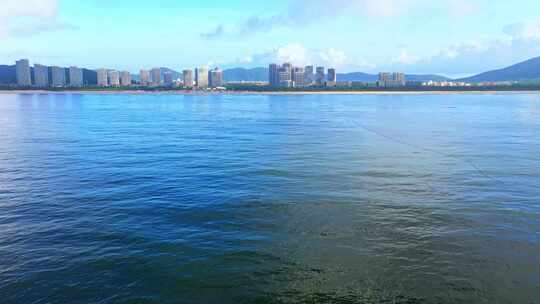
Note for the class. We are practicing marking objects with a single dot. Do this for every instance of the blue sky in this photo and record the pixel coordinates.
(451, 37)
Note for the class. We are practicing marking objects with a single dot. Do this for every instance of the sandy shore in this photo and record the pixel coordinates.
(189, 92)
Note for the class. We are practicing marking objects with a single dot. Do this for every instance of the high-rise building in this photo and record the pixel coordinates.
(102, 78)
(285, 79)
(114, 78)
(168, 78)
(201, 77)
(58, 77)
(332, 76)
(75, 77)
(399, 79)
(22, 72)
(215, 78)
(331, 79)
(155, 73)
(144, 77)
(384, 77)
(273, 75)
(391, 80)
(41, 76)
(319, 76)
(125, 79)
(298, 75)
(188, 78)
(288, 66)
(309, 76)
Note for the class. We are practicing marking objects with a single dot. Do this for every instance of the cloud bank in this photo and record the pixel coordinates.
(299, 55)
(302, 14)
(29, 17)
(518, 42)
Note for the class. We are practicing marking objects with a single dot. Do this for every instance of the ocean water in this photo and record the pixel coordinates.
(270, 198)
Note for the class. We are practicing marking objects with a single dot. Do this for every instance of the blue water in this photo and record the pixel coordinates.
(270, 199)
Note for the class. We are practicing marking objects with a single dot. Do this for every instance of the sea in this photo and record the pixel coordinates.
(316, 198)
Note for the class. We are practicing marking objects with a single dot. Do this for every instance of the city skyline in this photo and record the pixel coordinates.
(24, 75)
(43, 76)
(459, 37)
(277, 76)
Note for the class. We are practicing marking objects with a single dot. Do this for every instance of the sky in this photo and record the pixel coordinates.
(449, 37)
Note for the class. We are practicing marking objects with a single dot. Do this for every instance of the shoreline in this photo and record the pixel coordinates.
(248, 92)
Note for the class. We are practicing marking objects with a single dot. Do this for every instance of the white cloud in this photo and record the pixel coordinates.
(217, 32)
(527, 30)
(41, 9)
(361, 64)
(340, 60)
(26, 17)
(299, 55)
(518, 42)
(377, 8)
(522, 42)
(293, 53)
(301, 13)
(245, 60)
(405, 58)
(333, 57)
(385, 8)
(461, 8)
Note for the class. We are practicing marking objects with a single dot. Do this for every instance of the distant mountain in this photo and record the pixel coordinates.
(357, 76)
(425, 77)
(162, 70)
(364, 77)
(526, 70)
(261, 74)
(175, 74)
(7, 74)
(241, 74)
